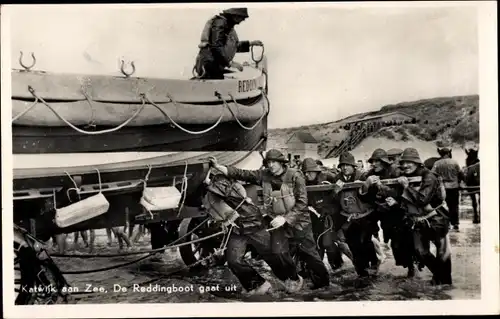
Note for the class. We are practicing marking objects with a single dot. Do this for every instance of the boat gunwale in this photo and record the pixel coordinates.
(228, 85)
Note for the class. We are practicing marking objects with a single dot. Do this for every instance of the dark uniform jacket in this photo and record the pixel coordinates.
(377, 194)
(390, 217)
(222, 45)
(323, 202)
(414, 200)
(428, 192)
(250, 218)
(350, 202)
(298, 217)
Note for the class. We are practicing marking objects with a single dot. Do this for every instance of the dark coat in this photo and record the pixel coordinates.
(377, 194)
(414, 200)
(390, 217)
(323, 202)
(221, 47)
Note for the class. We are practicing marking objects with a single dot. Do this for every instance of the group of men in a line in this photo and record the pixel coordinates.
(295, 225)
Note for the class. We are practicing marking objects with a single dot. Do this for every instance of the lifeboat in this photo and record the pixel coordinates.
(50, 112)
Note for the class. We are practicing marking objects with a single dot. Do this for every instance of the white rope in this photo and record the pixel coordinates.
(184, 187)
(146, 98)
(25, 110)
(83, 131)
(249, 128)
(76, 188)
(99, 176)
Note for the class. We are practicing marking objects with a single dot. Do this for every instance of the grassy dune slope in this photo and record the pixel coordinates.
(450, 120)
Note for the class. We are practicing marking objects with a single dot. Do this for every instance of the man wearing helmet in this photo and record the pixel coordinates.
(426, 212)
(391, 217)
(322, 207)
(354, 225)
(285, 201)
(219, 44)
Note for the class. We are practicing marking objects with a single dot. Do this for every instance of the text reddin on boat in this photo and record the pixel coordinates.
(247, 85)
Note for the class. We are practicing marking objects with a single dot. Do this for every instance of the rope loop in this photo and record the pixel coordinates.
(26, 110)
(184, 187)
(32, 91)
(248, 128)
(92, 110)
(100, 182)
(172, 121)
(145, 180)
(76, 188)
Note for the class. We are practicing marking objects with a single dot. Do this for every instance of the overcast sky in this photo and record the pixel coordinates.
(324, 63)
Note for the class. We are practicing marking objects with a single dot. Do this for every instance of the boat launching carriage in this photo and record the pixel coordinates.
(50, 112)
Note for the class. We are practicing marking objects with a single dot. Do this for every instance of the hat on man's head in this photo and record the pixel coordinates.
(410, 154)
(379, 154)
(310, 165)
(275, 155)
(242, 12)
(347, 158)
(394, 152)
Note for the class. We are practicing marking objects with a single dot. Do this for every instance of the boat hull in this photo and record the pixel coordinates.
(230, 136)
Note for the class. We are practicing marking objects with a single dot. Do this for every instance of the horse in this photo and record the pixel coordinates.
(472, 176)
(429, 163)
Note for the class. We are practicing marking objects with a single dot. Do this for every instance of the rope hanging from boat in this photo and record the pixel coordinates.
(32, 91)
(145, 99)
(76, 188)
(184, 187)
(249, 128)
(92, 120)
(25, 110)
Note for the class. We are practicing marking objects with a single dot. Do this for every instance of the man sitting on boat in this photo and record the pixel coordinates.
(219, 44)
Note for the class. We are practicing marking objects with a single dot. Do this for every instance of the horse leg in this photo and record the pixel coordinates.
(75, 239)
(475, 209)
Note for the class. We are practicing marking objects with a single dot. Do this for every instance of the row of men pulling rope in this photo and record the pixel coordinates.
(293, 222)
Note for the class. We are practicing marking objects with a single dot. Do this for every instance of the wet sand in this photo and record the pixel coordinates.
(181, 286)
